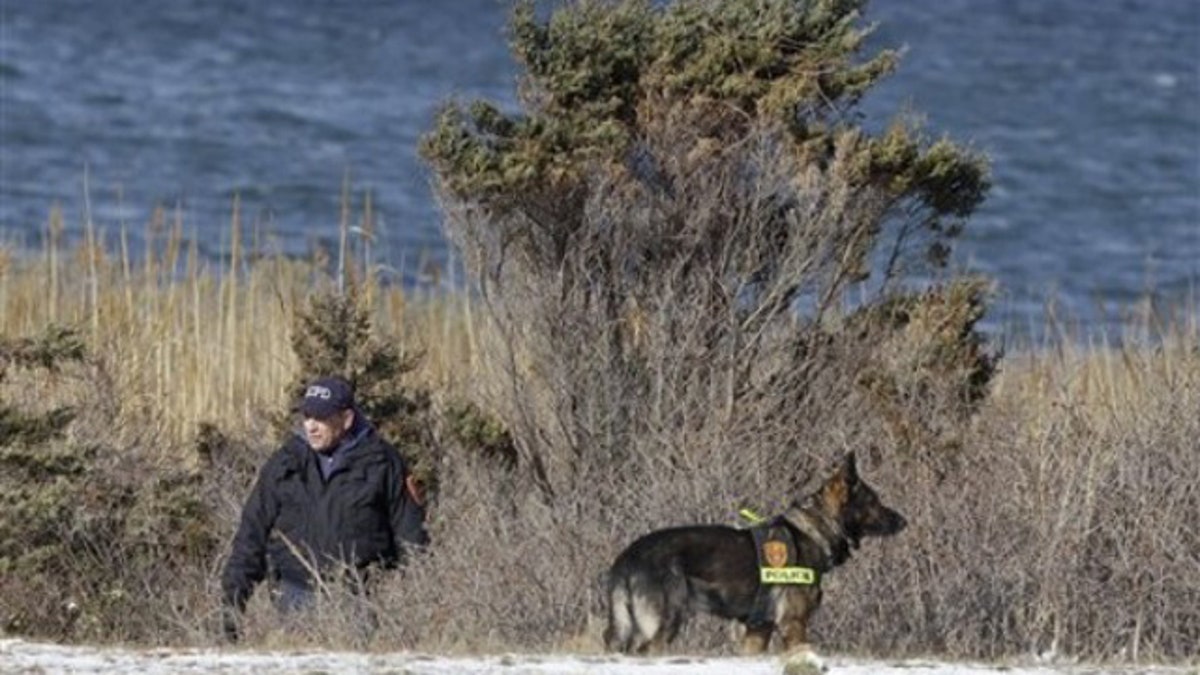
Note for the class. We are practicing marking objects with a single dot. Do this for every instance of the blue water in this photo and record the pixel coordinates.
(1089, 111)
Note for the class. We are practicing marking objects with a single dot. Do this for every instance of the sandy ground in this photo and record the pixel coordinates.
(18, 656)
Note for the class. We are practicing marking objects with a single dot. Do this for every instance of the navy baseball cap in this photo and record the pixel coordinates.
(327, 396)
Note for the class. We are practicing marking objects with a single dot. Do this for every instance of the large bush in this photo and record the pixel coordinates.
(686, 241)
(703, 276)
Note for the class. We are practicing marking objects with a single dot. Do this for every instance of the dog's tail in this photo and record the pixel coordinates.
(618, 635)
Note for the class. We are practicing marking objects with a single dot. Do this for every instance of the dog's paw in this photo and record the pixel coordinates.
(803, 661)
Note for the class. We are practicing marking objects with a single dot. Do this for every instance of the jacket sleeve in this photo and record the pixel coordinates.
(247, 564)
(407, 513)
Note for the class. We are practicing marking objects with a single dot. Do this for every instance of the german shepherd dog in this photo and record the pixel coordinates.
(664, 577)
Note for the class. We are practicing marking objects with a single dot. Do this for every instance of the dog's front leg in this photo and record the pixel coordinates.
(793, 621)
(757, 638)
(794, 631)
(799, 658)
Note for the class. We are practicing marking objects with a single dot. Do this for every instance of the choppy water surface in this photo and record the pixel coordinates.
(1090, 113)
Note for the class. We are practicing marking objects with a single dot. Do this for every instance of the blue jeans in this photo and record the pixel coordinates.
(294, 599)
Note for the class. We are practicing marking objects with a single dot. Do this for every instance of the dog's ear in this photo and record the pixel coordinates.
(835, 491)
(850, 468)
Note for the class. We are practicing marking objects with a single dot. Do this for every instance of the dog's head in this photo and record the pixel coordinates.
(854, 505)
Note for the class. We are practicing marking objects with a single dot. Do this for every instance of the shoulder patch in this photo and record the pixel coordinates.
(416, 491)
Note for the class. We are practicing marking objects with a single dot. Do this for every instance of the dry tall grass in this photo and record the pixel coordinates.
(190, 340)
(1066, 522)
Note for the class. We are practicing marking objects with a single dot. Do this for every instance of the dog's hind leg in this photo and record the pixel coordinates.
(648, 621)
(618, 635)
(637, 612)
(662, 610)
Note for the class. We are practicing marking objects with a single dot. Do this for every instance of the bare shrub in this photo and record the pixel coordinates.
(1065, 527)
(695, 278)
(700, 284)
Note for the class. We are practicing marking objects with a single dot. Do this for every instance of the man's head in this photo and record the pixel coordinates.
(328, 411)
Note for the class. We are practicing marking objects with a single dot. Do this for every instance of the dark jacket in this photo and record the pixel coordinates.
(362, 514)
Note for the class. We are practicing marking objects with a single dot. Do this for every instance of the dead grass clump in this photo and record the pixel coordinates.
(1066, 527)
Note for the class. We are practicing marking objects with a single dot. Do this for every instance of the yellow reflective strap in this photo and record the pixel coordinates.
(751, 516)
(805, 576)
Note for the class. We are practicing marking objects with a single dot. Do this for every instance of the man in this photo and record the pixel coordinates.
(335, 497)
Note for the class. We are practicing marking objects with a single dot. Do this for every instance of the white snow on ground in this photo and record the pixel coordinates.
(18, 656)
